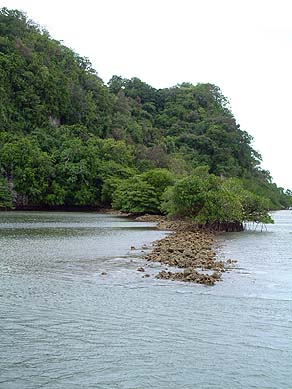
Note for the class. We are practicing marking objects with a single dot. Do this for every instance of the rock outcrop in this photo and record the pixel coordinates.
(187, 247)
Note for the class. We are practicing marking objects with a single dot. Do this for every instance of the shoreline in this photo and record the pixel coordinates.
(187, 248)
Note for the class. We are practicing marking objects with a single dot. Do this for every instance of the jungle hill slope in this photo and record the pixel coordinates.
(67, 139)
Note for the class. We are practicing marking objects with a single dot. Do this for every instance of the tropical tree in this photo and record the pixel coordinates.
(136, 196)
(5, 194)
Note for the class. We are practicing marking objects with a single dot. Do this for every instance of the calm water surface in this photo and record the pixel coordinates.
(64, 325)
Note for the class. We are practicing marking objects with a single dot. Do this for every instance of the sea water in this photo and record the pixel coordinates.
(76, 313)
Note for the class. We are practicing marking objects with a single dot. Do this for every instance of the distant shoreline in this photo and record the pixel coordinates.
(63, 208)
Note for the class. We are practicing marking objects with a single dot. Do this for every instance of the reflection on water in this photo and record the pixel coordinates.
(64, 325)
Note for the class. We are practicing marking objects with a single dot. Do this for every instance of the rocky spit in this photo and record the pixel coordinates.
(187, 248)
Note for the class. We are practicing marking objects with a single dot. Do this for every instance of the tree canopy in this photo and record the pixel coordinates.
(67, 139)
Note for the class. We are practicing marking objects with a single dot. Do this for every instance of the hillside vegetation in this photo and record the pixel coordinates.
(67, 139)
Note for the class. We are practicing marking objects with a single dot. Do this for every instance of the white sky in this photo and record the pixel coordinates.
(243, 46)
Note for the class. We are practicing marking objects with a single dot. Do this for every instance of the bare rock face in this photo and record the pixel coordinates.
(54, 121)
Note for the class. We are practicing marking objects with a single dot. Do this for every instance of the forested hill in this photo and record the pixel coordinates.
(67, 139)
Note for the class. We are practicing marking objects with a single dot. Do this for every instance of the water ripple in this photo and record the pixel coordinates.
(64, 326)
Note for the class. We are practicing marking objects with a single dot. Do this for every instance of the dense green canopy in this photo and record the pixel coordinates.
(67, 139)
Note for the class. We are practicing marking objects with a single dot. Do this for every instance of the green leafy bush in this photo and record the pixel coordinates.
(212, 200)
(136, 196)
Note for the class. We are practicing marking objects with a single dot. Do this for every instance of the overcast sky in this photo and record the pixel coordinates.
(243, 46)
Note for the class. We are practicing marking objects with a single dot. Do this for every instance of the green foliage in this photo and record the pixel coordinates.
(5, 194)
(288, 198)
(159, 179)
(211, 200)
(68, 139)
(27, 165)
(223, 204)
(136, 196)
(255, 208)
(141, 193)
(187, 197)
(44, 82)
(109, 187)
(261, 184)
